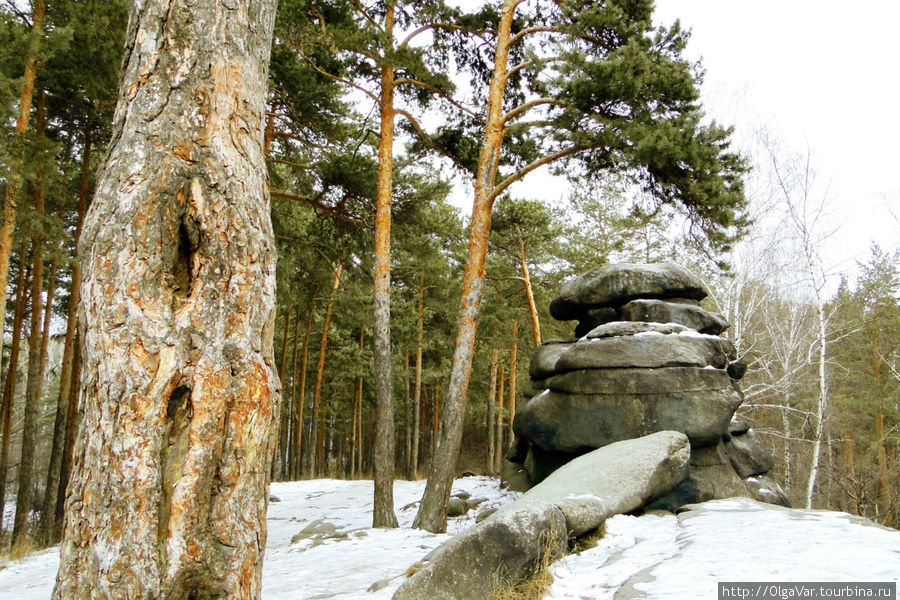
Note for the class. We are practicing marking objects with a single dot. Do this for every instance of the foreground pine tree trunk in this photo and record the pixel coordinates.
(178, 388)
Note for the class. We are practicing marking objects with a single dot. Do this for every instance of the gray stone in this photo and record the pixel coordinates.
(501, 550)
(620, 328)
(576, 423)
(646, 351)
(616, 479)
(737, 369)
(660, 311)
(539, 463)
(457, 507)
(594, 317)
(614, 285)
(748, 455)
(709, 456)
(640, 381)
(543, 361)
(533, 387)
(712, 482)
(738, 428)
(514, 477)
(319, 528)
(765, 489)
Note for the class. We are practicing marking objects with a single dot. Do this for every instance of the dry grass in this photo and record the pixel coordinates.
(535, 586)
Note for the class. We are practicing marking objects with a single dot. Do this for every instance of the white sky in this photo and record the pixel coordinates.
(823, 76)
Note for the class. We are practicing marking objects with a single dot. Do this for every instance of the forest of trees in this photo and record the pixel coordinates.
(373, 113)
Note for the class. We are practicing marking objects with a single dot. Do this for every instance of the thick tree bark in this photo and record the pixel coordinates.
(14, 181)
(301, 385)
(35, 382)
(432, 515)
(179, 389)
(383, 514)
(9, 387)
(417, 385)
(317, 441)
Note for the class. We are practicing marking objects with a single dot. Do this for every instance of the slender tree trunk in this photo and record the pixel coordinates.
(417, 388)
(279, 466)
(46, 534)
(513, 359)
(14, 179)
(316, 444)
(498, 436)
(432, 515)
(529, 292)
(35, 383)
(821, 404)
(300, 389)
(407, 416)
(73, 422)
(436, 420)
(491, 413)
(383, 514)
(296, 409)
(850, 474)
(179, 389)
(9, 388)
(883, 499)
(68, 393)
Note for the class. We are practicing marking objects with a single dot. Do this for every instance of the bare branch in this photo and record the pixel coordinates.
(523, 108)
(436, 90)
(518, 175)
(321, 71)
(426, 138)
(315, 203)
(530, 31)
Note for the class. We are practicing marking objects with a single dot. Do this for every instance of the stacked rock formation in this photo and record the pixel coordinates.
(646, 358)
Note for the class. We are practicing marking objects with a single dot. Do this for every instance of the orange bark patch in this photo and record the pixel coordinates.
(183, 151)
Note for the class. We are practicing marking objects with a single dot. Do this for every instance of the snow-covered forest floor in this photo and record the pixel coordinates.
(653, 556)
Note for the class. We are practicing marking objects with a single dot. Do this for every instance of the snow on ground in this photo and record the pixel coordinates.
(658, 556)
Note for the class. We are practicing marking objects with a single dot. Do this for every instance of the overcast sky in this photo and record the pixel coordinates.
(823, 76)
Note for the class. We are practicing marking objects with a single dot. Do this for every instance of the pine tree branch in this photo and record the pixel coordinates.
(518, 175)
(444, 26)
(315, 203)
(347, 82)
(523, 108)
(361, 9)
(436, 90)
(427, 139)
(530, 31)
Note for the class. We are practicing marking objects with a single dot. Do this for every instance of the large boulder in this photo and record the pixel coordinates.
(543, 360)
(577, 423)
(765, 489)
(500, 551)
(748, 455)
(647, 351)
(660, 311)
(613, 285)
(711, 478)
(633, 327)
(617, 478)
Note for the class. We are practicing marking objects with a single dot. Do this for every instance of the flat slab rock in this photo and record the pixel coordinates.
(648, 350)
(660, 311)
(639, 381)
(613, 285)
(505, 547)
(575, 423)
